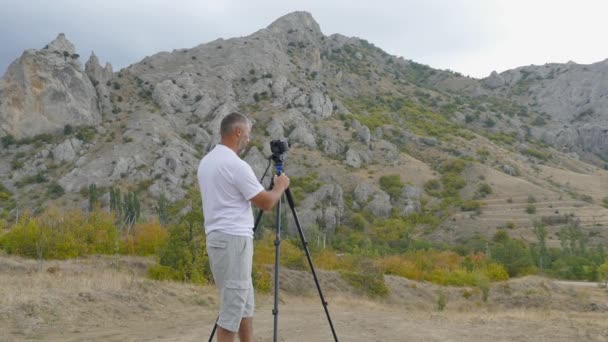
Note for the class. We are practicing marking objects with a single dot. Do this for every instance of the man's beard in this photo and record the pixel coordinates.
(241, 147)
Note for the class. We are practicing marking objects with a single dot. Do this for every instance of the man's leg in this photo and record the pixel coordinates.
(224, 335)
(246, 329)
(245, 332)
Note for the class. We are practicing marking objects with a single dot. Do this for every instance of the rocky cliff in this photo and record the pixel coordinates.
(46, 89)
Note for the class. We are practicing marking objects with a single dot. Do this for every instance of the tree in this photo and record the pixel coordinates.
(602, 273)
(541, 234)
(185, 251)
(115, 200)
(131, 209)
(93, 196)
(127, 207)
(161, 209)
(512, 254)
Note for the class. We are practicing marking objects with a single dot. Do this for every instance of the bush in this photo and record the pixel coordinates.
(605, 202)
(262, 279)
(358, 222)
(185, 254)
(160, 272)
(530, 209)
(483, 190)
(453, 166)
(371, 283)
(55, 190)
(442, 300)
(537, 154)
(514, 255)
(291, 255)
(8, 140)
(443, 267)
(392, 185)
(61, 235)
(471, 205)
(147, 239)
(86, 134)
(432, 187)
(452, 183)
(67, 129)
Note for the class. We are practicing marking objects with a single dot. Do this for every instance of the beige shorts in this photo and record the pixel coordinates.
(231, 258)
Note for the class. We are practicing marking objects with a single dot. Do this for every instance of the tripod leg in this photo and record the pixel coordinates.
(312, 268)
(277, 257)
(214, 329)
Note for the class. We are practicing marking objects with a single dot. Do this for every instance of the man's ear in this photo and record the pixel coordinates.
(238, 131)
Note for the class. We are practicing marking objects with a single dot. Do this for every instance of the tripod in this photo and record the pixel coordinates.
(278, 162)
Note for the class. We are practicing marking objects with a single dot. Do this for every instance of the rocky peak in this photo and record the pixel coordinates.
(61, 43)
(44, 90)
(296, 22)
(95, 71)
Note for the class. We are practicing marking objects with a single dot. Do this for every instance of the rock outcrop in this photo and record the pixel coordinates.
(46, 89)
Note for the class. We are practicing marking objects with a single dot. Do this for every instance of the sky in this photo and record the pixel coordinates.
(473, 37)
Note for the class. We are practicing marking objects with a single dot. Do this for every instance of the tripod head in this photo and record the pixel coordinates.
(279, 148)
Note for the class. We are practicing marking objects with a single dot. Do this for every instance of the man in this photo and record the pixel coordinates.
(227, 185)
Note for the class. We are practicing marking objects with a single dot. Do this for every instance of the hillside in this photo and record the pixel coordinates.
(373, 135)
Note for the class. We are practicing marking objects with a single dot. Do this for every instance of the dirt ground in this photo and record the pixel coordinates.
(107, 299)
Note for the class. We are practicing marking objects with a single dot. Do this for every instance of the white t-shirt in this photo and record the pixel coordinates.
(227, 184)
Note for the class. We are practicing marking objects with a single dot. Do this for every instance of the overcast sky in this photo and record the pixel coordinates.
(473, 37)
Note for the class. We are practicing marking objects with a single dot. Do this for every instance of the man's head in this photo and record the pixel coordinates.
(235, 130)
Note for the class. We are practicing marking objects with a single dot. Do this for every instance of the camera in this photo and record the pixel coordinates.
(279, 146)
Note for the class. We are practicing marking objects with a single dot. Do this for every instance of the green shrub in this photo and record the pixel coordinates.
(442, 300)
(371, 283)
(470, 205)
(308, 183)
(530, 209)
(392, 185)
(185, 253)
(5, 194)
(545, 156)
(68, 129)
(86, 134)
(8, 140)
(484, 286)
(452, 183)
(483, 190)
(358, 222)
(514, 255)
(453, 166)
(40, 177)
(262, 279)
(160, 272)
(605, 202)
(432, 187)
(55, 190)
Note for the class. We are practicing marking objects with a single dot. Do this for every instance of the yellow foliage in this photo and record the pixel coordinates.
(443, 267)
(59, 234)
(291, 255)
(148, 237)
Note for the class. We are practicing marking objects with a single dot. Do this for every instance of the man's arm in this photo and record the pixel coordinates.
(266, 200)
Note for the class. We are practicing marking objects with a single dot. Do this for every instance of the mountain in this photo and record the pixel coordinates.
(373, 136)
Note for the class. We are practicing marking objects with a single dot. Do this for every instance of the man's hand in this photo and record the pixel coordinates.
(281, 182)
(265, 200)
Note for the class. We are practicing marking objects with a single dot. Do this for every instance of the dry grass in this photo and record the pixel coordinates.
(109, 299)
